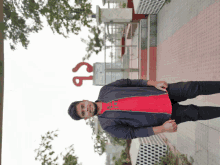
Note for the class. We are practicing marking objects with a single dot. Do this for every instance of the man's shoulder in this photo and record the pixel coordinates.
(104, 122)
(104, 89)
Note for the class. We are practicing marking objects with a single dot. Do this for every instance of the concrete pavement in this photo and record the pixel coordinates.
(188, 49)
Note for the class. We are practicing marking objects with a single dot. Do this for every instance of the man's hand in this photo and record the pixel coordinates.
(170, 126)
(161, 85)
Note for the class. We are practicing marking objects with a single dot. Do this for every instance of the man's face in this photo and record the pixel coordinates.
(86, 109)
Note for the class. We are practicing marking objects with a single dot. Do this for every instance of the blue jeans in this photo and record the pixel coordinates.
(182, 91)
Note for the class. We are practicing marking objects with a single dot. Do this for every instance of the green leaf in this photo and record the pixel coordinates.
(51, 153)
(15, 24)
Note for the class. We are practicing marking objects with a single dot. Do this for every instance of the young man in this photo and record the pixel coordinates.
(130, 109)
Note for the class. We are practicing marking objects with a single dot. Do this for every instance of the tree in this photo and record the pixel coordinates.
(95, 43)
(45, 157)
(23, 17)
(100, 143)
(102, 138)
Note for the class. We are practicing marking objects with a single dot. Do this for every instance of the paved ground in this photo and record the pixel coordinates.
(188, 49)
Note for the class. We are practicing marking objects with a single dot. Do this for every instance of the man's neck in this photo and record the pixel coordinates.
(99, 104)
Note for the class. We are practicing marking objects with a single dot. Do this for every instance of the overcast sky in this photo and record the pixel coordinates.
(38, 90)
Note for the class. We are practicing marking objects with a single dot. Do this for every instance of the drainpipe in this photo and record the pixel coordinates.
(148, 48)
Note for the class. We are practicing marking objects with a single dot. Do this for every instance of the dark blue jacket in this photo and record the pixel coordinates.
(128, 124)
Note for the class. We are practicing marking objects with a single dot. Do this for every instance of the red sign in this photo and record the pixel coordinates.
(89, 69)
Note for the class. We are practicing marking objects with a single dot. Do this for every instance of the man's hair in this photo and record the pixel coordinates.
(72, 110)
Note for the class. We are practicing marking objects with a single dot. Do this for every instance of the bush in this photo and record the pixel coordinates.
(122, 158)
(172, 159)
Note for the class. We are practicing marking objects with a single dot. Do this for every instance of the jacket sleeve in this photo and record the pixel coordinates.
(129, 83)
(119, 130)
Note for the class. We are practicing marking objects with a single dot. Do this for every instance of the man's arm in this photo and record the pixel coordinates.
(132, 83)
(117, 129)
(151, 83)
(126, 132)
(131, 133)
(159, 129)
